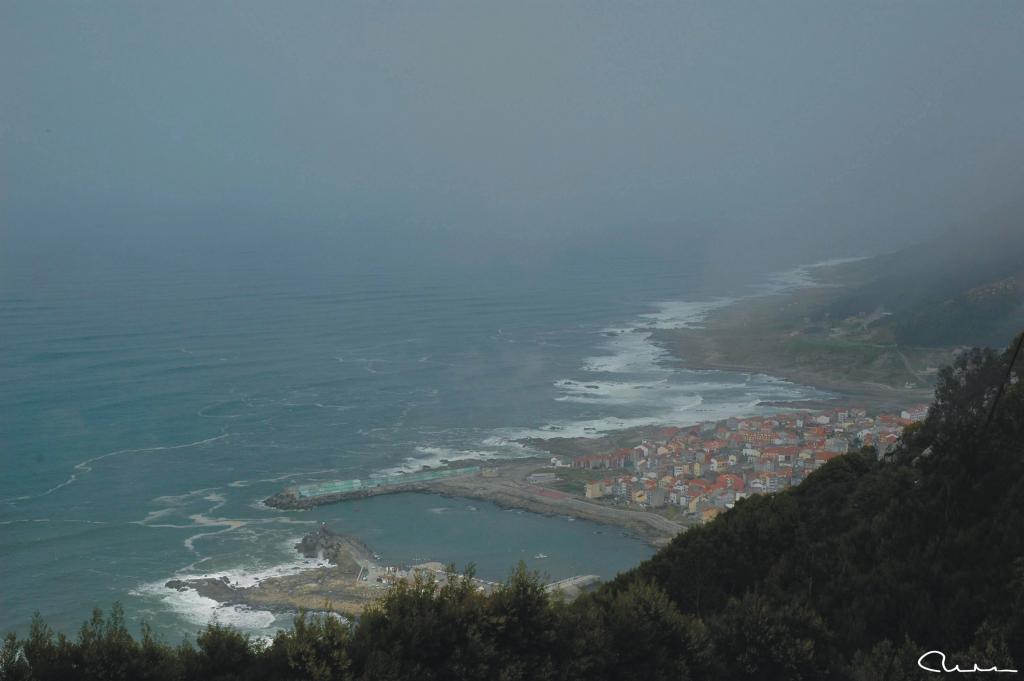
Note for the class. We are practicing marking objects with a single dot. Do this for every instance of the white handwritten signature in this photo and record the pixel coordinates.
(955, 668)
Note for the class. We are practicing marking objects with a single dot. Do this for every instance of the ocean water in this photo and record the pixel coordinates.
(146, 410)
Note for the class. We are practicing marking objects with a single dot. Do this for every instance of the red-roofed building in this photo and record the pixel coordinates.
(731, 481)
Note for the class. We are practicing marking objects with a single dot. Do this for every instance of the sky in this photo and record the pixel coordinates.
(782, 131)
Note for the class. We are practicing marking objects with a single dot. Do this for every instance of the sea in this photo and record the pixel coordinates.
(149, 405)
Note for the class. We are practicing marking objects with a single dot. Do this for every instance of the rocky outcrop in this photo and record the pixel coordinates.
(337, 549)
(335, 588)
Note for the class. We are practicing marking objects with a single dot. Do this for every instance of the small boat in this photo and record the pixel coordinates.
(541, 555)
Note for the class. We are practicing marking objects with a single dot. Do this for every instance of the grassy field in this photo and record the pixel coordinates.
(571, 480)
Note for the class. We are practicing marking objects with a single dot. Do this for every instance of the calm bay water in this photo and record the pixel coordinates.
(145, 410)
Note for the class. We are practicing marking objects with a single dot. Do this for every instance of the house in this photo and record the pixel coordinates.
(916, 413)
(617, 459)
(595, 489)
(757, 437)
(697, 487)
(723, 498)
(821, 458)
(656, 497)
(837, 444)
(731, 481)
(622, 487)
(785, 438)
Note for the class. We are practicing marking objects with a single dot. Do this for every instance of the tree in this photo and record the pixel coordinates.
(770, 641)
(315, 649)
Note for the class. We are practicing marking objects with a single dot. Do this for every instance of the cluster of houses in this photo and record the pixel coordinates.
(704, 469)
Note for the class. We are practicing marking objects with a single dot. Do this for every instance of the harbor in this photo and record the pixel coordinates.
(510, 484)
(316, 494)
(348, 578)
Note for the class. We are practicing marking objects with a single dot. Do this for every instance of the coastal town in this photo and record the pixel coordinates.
(693, 474)
(673, 479)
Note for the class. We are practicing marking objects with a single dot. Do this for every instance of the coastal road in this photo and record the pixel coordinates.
(509, 488)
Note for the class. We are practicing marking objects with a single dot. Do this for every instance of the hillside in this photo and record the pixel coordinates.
(877, 329)
(853, 574)
(963, 288)
(867, 561)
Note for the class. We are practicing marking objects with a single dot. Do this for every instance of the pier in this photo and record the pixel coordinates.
(315, 494)
(572, 587)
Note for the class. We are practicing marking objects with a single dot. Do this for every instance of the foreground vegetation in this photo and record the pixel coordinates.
(851, 575)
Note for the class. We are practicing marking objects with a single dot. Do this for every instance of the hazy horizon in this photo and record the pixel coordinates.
(527, 135)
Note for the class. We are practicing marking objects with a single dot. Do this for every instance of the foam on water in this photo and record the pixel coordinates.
(200, 611)
(609, 392)
(682, 408)
(626, 351)
(438, 457)
(678, 314)
(634, 380)
(799, 277)
(585, 428)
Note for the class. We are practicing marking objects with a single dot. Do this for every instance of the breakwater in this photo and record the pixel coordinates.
(316, 494)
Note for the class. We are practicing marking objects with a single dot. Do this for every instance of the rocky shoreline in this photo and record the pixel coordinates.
(353, 580)
(335, 588)
(792, 336)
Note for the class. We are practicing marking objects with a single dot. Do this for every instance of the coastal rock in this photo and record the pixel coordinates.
(337, 588)
(217, 588)
(286, 500)
(338, 549)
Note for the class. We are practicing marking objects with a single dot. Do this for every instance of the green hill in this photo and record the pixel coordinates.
(964, 288)
(876, 329)
(874, 560)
